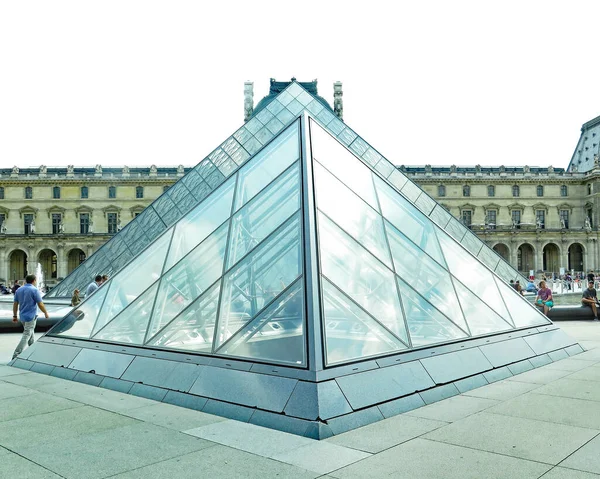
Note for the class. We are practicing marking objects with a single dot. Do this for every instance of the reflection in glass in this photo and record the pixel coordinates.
(426, 325)
(352, 214)
(131, 324)
(350, 333)
(189, 278)
(522, 313)
(80, 322)
(481, 319)
(360, 276)
(200, 222)
(276, 334)
(129, 283)
(472, 273)
(406, 218)
(194, 328)
(268, 164)
(343, 164)
(259, 278)
(425, 275)
(257, 219)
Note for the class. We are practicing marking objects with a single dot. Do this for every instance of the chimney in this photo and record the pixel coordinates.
(248, 100)
(338, 107)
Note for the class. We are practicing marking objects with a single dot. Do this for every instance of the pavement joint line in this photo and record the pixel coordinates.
(541, 420)
(583, 445)
(33, 462)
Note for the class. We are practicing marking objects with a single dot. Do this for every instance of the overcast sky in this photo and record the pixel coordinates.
(140, 83)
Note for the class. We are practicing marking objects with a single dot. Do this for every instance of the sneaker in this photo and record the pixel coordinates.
(596, 319)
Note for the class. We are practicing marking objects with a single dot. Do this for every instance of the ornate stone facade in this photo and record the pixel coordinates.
(59, 216)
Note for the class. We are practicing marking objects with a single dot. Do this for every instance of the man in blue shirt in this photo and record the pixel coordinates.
(27, 300)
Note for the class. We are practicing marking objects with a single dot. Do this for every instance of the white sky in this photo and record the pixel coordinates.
(452, 82)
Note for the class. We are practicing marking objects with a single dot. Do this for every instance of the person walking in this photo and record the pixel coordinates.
(93, 286)
(75, 299)
(15, 287)
(590, 298)
(27, 301)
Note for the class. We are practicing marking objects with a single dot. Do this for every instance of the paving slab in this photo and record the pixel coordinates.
(219, 462)
(384, 434)
(502, 390)
(14, 466)
(591, 373)
(572, 388)
(321, 457)
(9, 390)
(172, 417)
(10, 371)
(591, 355)
(31, 379)
(540, 376)
(556, 409)
(571, 364)
(58, 426)
(424, 459)
(454, 408)
(586, 459)
(564, 473)
(114, 451)
(33, 404)
(524, 438)
(250, 438)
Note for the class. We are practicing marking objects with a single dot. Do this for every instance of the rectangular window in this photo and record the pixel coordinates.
(27, 220)
(590, 216)
(84, 223)
(1, 192)
(112, 223)
(491, 190)
(28, 192)
(466, 217)
(540, 219)
(112, 191)
(2, 222)
(491, 219)
(564, 219)
(516, 218)
(56, 221)
(56, 192)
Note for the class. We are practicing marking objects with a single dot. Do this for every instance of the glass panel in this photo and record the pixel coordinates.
(80, 321)
(522, 313)
(481, 319)
(268, 164)
(134, 279)
(200, 222)
(130, 326)
(350, 333)
(426, 325)
(360, 276)
(351, 213)
(255, 221)
(425, 275)
(276, 334)
(472, 273)
(193, 329)
(259, 278)
(343, 164)
(189, 278)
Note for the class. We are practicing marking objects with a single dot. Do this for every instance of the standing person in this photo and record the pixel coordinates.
(75, 299)
(544, 298)
(27, 300)
(591, 276)
(93, 286)
(590, 298)
(15, 287)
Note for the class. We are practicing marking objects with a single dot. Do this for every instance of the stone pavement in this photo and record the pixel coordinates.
(542, 423)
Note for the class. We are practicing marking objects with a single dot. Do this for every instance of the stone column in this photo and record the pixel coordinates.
(4, 273)
(61, 261)
(539, 257)
(512, 254)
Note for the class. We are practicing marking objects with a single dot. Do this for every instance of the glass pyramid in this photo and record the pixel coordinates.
(306, 256)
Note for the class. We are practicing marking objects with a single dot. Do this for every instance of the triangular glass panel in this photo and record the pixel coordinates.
(523, 314)
(481, 318)
(424, 275)
(351, 333)
(352, 214)
(131, 324)
(80, 321)
(407, 219)
(259, 277)
(265, 212)
(189, 278)
(426, 325)
(194, 328)
(276, 334)
(470, 271)
(360, 276)
(126, 286)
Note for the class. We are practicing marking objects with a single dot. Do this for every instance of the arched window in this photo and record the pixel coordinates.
(84, 192)
(28, 192)
(515, 190)
(441, 190)
(466, 190)
(491, 190)
(540, 190)
(56, 192)
(139, 191)
(1, 192)
(112, 191)
(564, 191)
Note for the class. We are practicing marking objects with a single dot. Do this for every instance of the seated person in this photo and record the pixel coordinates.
(544, 298)
(531, 287)
(590, 298)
